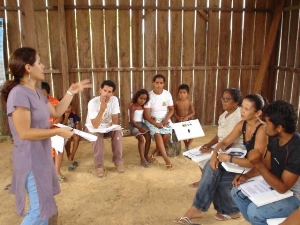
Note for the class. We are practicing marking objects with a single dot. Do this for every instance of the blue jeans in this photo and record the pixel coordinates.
(259, 215)
(215, 187)
(33, 215)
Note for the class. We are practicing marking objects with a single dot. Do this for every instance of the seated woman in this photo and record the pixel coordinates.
(157, 113)
(216, 182)
(231, 101)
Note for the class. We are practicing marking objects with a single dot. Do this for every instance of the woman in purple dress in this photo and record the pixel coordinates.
(28, 112)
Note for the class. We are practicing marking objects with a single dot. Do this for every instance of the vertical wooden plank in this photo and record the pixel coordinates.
(211, 80)
(124, 41)
(188, 44)
(98, 49)
(136, 26)
(236, 45)
(200, 60)
(260, 35)
(13, 29)
(111, 42)
(84, 50)
(283, 52)
(247, 48)
(162, 49)
(149, 43)
(175, 47)
(28, 30)
(224, 45)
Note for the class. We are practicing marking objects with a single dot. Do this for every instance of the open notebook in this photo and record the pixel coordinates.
(188, 129)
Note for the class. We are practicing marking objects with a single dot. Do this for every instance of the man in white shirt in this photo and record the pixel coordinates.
(103, 111)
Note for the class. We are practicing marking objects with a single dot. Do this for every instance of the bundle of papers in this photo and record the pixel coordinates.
(195, 155)
(188, 129)
(234, 168)
(104, 129)
(260, 192)
(87, 136)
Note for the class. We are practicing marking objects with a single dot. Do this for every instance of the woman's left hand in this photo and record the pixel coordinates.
(80, 86)
(223, 157)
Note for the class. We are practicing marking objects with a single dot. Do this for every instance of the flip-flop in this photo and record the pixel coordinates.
(223, 217)
(185, 220)
(75, 164)
(7, 187)
(194, 185)
(62, 178)
(145, 164)
(71, 168)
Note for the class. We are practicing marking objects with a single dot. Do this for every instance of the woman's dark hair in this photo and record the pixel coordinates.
(258, 101)
(158, 76)
(108, 83)
(46, 87)
(138, 94)
(282, 113)
(235, 94)
(184, 87)
(16, 64)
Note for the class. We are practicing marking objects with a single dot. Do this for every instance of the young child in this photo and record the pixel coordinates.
(137, 127)
(71, 119)
(184, 109)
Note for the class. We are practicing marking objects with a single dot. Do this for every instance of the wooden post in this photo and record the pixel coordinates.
(28, 24)
(63, 46)
(269, 47)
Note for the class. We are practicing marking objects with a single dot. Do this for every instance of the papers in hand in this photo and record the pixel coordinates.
(260, 192)
(275, 221)
(234, 168)
(195, 155)
(188, 129)
(87, 136)
(236, 152)
(104, 129)
(58, 143)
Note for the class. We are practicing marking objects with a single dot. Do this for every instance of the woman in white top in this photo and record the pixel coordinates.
(157, 113)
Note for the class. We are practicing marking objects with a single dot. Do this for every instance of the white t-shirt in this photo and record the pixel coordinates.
(94, 108)
(159, 104)
(226, 125)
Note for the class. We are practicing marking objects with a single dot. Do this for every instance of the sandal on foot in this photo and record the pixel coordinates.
(185, 220)
(145, 164)
(152, 158)
(223, 217)
(71, 168)
(170, 167)
(62, 178)
(194, 185)
(75, 164)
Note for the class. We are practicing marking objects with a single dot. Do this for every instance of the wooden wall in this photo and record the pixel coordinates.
(209, 46)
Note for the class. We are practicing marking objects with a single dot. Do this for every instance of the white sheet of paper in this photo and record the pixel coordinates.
(188, 130)
(195, 155)
(87, 136)
(58, 143)
(275, 221)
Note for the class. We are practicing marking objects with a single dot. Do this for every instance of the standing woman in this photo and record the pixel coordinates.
(28, 112)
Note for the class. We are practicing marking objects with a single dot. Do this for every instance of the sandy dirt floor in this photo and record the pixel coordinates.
(140, 196)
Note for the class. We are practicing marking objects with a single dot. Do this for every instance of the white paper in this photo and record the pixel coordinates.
(260, 192)
(58, 143)
(236, 152)
(197, 156)
(234, 168)
(275, 221)
(188, 129)
(104, 129)
(87, 136)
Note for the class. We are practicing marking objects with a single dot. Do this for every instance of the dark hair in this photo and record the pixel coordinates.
(184, 87)
(16, 64)
(158, 76)
(282, 113)
(45, 86)
(235, 94)
(108, 83)
(258, 101)
(138, 94)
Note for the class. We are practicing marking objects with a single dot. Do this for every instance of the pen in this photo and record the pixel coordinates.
(240, 175)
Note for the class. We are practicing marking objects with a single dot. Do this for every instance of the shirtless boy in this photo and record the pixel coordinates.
(184, 109)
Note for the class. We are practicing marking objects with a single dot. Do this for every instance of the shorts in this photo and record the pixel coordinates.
(134, 131)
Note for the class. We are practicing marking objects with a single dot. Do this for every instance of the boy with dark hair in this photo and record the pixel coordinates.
(184, 109)
(280, 167)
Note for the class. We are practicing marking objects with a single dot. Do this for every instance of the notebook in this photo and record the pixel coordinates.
(188, 129)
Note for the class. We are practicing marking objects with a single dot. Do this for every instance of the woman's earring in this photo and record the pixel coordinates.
(29, 78)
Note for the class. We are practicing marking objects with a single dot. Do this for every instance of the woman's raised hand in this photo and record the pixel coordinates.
(80, 86)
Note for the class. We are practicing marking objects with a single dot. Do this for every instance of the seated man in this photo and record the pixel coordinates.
(103, 112)
(280, 167)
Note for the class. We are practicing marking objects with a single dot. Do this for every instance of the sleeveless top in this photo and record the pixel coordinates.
(249, 145)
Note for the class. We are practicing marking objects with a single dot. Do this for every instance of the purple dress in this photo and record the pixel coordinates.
(35, 156)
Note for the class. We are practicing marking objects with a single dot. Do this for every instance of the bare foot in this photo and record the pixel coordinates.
(193, 213)
(194, 185)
